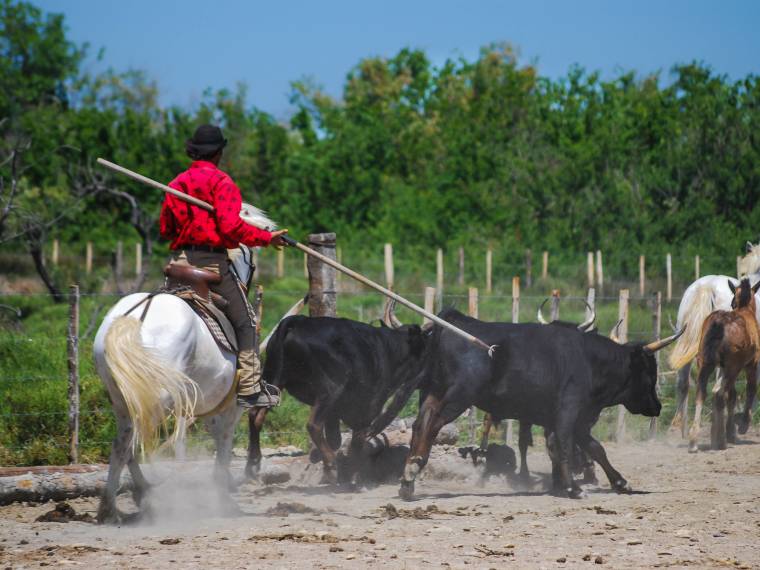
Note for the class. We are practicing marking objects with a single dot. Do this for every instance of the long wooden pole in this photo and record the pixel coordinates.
(308, 251)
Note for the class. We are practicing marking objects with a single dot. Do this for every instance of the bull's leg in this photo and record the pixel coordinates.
(355, 456)
(332, 432)
(525, 439)
(429, 422)
(681, 418)
(316, 429)
(565, 448)
(121, 451)
(704, 374)
(487, 425)
(597, 453)
(256, 417)
(589, 472)
(743, 419)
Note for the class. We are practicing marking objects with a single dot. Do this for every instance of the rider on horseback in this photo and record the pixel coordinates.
(201, 238)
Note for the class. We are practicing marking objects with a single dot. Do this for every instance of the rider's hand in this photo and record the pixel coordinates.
(277, 240)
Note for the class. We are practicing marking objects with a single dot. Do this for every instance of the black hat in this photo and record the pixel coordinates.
(207, 141)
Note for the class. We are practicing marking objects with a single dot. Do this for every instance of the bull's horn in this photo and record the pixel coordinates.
(389, 317)
(660, 344)
(585, 325)
(540, 315)
(615, 331)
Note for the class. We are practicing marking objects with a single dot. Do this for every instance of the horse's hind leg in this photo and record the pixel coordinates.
(681, 418)
(723, 383)
(222, 428)
(743, 419)
(730, 426)
(140, 485)
(704, 375)
(121, 451)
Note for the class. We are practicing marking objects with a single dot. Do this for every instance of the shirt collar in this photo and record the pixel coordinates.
(203, 164)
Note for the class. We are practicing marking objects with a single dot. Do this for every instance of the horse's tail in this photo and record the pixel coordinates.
(688, 344)
(152, 389)
(710, 343)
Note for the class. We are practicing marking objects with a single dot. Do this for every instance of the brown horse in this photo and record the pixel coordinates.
(730, 341)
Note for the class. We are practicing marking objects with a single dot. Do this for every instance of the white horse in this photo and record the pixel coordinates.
(165, 365)
(707, 294)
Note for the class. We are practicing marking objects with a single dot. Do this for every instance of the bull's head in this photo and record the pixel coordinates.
(641, 397)
(415, 333)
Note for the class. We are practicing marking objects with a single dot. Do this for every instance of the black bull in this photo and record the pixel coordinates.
(345, 370)
(551, 376)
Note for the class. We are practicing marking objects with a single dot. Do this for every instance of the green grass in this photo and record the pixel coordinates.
(33, 369)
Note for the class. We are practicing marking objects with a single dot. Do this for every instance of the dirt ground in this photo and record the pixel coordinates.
(699, 510)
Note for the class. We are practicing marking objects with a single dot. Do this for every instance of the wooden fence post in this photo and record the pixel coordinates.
(439, 279)
(460, 278)
(88, 258)
(138, 258)
(599, 271)
(555, 306)
(55, 251)
(669, 272)
(489, 270)
(119, 260)
(429, 303)
(642, 274)
(509, 433)
(339, 254)
(656, 325)
(590, 268)
(472, 307)
(623, 338)
(696, 267)
(280, 263)
(528, 268)
(72, 339)
(389, 265)
(516, 299)
(472, 304)
(322, 292)
(545, 265)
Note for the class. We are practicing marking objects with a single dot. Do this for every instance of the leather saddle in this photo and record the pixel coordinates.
(198, 279)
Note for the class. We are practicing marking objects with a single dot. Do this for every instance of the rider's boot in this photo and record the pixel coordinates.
(252, 391)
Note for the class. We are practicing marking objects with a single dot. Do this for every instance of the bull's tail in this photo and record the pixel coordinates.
(275, 352)
(688, 344)
(146, 383)
(709, 344)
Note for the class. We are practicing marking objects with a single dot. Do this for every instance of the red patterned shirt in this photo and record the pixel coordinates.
(186, 224)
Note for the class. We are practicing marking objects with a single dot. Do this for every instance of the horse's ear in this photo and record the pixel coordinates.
(732, 287)
(748, 247)
(755, 287)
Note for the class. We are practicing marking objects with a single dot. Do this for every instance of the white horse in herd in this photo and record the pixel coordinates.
(707, 294)
(160, 361)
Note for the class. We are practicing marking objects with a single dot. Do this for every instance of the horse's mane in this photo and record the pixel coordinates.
(750, 263)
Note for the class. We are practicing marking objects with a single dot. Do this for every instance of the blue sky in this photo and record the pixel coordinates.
(189, 45)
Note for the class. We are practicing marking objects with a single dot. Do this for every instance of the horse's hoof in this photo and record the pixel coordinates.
(742, 422)
(252, 471)
(406, 491)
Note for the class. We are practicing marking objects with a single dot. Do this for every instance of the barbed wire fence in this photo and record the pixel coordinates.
(643, 315)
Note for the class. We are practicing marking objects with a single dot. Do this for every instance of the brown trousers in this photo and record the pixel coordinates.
(238, 311)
